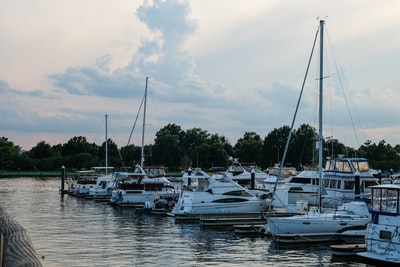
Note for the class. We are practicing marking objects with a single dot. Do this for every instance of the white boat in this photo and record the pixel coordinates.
(85, 180)
(339, 180)
(303, 186)
(130, 191)
(382, 236)
(218, 195)
(103, 186)
(191, 178)
(318, 225)
(242, 173)
(146, 184)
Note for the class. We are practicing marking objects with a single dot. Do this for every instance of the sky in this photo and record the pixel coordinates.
(227, 67)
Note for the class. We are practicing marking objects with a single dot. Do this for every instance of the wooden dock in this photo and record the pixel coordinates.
(224, 220)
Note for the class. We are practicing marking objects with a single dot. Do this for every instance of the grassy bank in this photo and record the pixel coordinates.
(45, 174)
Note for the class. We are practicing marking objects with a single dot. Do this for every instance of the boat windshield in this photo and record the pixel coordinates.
(385, 200)
(361, 166)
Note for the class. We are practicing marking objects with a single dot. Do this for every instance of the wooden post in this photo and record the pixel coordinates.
(62, 191)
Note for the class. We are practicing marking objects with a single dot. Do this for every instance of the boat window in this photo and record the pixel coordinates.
(326, 183)
(339, 184)
(345, 167)
(230, 200)
(385, 200)
(385, 235)
(333, 183)
(241, 193)
(300, 180)
(349, 185)
(389, 200)
(376, 199)
(361, 166)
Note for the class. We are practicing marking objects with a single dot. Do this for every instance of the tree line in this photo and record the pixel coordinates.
(178, 149)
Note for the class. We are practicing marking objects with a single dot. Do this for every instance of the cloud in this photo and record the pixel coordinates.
(163, 58)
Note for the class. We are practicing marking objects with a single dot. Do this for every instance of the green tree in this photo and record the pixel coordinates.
(166, 150)
(249, 148)
(302, 148)
(9, 154)
(113, 155)
(42, 150)
(274, 145)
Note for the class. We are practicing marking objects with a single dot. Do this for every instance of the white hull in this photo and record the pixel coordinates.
(382, 236)
(220, 195)
(131, 197)
(203, 203)
(316, 226)
(382, 248)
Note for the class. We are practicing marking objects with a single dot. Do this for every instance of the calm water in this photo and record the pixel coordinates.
(74, 232)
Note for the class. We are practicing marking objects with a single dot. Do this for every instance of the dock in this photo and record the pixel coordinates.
(229, 220)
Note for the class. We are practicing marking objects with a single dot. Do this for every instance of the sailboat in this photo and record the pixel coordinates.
(146, 184)
(318, 225)
(89, 183)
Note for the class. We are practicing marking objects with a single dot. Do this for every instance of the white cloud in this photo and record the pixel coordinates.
(226, 70)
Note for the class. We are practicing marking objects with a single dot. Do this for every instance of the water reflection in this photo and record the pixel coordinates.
(69, 231)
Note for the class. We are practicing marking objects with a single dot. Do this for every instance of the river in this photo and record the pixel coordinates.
(67, 231)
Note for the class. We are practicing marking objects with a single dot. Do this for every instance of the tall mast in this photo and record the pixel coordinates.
(321, 73)
(144, 122)
(106, 146)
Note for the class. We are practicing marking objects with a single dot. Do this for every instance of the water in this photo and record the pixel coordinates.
(76, 232)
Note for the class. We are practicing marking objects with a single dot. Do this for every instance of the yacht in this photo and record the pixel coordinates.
(145, 185)
(241, 173)
(303, 187)
(85, 180)
(191, 178)
(339, 180)
(218, 195)
(382, 236)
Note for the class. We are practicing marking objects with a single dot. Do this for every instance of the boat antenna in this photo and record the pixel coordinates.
(106, 146)
(293, 121)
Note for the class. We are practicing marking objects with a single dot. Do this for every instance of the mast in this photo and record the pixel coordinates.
(321, 72)
(144, 122)
(106, 147)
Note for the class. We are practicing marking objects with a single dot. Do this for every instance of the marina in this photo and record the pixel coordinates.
(71, 231)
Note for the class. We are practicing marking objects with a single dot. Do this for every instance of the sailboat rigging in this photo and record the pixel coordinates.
(317, 225)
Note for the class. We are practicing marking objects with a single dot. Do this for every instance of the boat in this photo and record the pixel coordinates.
(217, 195)
(190, 178)
(81, 184)
(318, 224)
(242, 172)
(146, 184)
(340, 177)
(131, 192)
(103, 187)
(85, 181)
(303, 187)
(382, 236)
